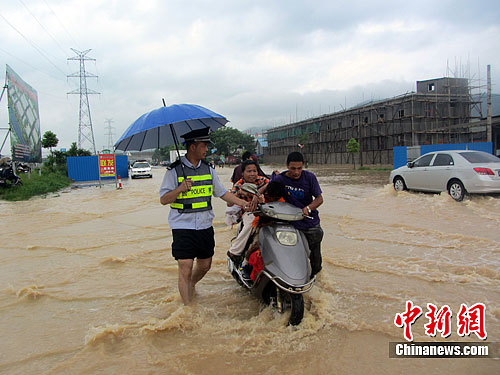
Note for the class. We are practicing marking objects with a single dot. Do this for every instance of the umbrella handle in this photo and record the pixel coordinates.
(174, 136)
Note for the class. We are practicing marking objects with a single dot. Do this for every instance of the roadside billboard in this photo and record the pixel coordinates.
(24, 119)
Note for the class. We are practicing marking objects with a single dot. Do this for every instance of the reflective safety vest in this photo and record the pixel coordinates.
(199, 198)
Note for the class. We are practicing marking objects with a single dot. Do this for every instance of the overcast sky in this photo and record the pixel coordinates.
(259, 63)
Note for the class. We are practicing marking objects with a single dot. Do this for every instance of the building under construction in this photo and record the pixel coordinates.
(442, 110)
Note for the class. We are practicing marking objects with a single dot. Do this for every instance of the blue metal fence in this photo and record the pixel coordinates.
(86, 168)
(479, 146)
(399, 157)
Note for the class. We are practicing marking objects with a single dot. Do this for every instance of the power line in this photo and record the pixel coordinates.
(60, 23)
(31, 66)
(43, 27)
(33, 45)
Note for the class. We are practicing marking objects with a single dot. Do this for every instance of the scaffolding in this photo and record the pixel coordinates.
(442, 110)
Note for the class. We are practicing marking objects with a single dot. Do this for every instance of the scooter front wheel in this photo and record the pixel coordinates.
(297, 302)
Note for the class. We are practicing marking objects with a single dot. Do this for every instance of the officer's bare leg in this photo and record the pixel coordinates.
(184, 282)
(200, 269)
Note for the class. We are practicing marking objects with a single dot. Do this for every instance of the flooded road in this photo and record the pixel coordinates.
(88, 285)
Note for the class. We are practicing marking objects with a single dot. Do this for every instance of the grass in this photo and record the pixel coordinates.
(34, 186)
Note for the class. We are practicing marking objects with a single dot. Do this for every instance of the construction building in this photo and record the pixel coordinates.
(442, 110)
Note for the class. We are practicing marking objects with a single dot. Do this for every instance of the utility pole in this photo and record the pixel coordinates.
(109, 133)
(85, 132)
(488, 117)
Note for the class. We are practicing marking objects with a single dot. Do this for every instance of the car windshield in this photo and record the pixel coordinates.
(141, 165)
(479, 157)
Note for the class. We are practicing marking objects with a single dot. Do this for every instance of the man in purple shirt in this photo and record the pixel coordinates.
(303, 191)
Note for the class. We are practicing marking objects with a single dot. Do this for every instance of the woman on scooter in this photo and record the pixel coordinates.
(250, 175)
(252, 264)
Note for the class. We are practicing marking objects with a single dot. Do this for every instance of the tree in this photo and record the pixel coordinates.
(163, 153)
(303, 140)
(75, 151)
(353, 148)
(49, 140)
(227, 140)
(56, 162)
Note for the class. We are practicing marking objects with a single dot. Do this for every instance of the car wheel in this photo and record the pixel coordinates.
(456, 190)
(399, 184)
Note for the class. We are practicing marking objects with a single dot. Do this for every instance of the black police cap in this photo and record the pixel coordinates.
(197, 135)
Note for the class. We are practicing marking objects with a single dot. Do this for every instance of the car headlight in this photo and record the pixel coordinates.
(287, 238)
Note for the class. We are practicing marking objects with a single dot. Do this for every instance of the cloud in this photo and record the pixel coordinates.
(260, 63)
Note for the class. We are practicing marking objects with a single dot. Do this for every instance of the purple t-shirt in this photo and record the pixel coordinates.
(301, 193)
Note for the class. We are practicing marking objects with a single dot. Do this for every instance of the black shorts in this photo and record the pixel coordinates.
(191, 243)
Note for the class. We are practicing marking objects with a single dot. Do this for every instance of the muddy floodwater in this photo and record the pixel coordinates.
(88, 285)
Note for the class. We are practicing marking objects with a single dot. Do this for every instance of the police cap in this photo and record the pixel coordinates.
(197, 135)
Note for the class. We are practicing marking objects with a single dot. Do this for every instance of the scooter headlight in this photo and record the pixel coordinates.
(287, 238)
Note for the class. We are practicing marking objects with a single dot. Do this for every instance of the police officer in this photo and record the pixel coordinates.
(188, 186)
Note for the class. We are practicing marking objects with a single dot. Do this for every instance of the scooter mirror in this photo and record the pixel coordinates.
(250, 188)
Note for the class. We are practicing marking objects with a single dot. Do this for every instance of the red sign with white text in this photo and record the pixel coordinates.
(107, 165)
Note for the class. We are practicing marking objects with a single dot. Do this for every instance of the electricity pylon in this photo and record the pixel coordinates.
(85, 132)
(109, 134)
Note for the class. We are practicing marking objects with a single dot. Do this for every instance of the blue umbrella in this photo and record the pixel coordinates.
(163, 126)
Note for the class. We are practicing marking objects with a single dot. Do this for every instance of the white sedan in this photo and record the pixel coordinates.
(459, 172)
(141, 169)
